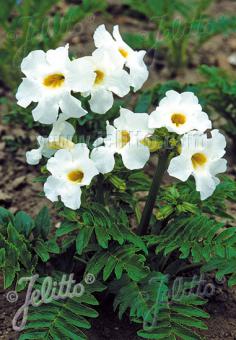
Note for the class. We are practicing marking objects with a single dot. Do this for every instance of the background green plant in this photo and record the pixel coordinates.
(181, 28)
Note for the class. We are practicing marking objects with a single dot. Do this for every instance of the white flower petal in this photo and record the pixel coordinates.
(202, 122)
(111, 139)
(107, 60)
(216, 145)
(90, 171)
(64, 155)
(99, 141)
(58, 57)
(43, 143)
(119, 83)
(34, 64)
(34, 156)
(104, 40)
(192, 142)
(103, 158)
(81, 76)
(138, 70)
(48, 153)
(56, 165)
(71, 106)
(51, 188)
(133, 122)
(80, 151)
(189, 98)
(46, 112)
(71, 196)
(117, 35)
(171, 97)
(180, 167)
(123, 50)
(135, 156)
(28, 92)
(101, 101)
(102, 37)
(205, 184)
(63, 129)
(218, 166)
(157, 119)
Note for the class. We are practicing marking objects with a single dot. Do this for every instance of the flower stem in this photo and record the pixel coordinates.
(100, 192)
(155, 186)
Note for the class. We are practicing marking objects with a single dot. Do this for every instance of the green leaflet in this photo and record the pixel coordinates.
(20, 250)
(118, 260)
(63, 318)
(164, 316)
(103, 225)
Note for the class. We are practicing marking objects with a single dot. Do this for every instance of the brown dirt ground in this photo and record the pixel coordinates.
(18, 192)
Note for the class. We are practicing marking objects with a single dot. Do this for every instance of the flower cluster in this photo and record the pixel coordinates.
(200, 156)
(51, 77)
(54, 81)
(180, 113)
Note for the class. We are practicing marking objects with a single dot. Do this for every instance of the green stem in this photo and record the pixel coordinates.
(100, 192)
(155, 186)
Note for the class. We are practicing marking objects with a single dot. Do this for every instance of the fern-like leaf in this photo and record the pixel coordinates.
(96, 222)
(118, 260)
(163, 315)
(65, 318)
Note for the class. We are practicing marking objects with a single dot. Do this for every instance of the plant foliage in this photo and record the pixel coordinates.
(19, 255)
(164, 313)
(63, 318)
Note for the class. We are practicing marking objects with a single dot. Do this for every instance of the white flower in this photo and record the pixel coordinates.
(201, 157)
(50, 78)
(180, 113)
(124, 138)
(123, 53)
(59, 138)
(70, 169)
(109, 78)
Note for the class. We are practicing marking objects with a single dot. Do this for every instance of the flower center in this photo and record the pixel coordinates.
(124, 138)
(75, 176)
(123, 52)
(99, 77)
(178, 119)
(198, 160)
(54, 80)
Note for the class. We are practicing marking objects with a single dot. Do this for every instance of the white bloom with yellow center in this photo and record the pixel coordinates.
(109, 78)
(201, 157)
(59, 138)
(180, 113)
(124, 138)
(123, 53)
(50, 78)
(70, 169)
